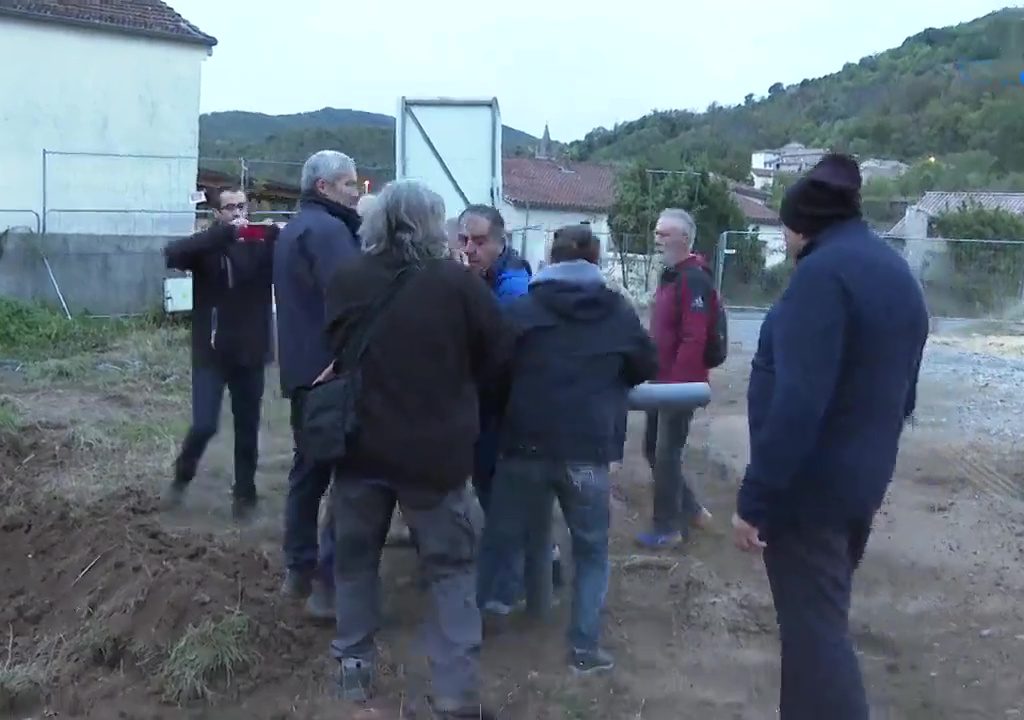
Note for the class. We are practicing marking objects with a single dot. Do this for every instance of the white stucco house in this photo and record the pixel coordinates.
(792, 158)
(100, 113)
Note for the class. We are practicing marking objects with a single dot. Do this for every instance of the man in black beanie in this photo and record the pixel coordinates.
(832, 382)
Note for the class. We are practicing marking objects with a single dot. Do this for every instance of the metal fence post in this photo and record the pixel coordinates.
(720, 250)
(538, 569)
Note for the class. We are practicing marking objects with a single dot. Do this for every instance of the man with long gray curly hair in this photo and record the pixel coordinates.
(434, 335)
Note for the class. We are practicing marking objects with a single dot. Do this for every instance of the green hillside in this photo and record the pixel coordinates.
(275, 145)
(953, 93)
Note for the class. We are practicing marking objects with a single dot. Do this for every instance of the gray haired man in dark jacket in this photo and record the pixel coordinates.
(313, 245)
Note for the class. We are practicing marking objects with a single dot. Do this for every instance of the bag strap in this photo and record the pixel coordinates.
(353, 350)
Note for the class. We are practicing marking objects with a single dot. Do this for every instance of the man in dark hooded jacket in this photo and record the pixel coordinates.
(580, 349)
(832, 383)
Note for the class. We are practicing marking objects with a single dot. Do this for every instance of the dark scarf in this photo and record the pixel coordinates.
(346, 214)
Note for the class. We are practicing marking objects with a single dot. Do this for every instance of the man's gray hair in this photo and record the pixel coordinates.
(326, 165)
(685, 221)
(408, 221)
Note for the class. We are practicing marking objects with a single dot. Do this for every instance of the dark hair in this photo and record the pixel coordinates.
(575, 242)
(491, 215)
(213, 195)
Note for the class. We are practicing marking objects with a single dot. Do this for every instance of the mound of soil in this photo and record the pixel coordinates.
(98, 595)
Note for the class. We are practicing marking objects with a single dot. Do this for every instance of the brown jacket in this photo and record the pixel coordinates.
(435, 344)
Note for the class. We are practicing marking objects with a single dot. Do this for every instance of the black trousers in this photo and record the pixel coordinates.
(245, 384)
(810, 570)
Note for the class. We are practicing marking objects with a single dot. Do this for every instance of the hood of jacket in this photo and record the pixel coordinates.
(574, 290)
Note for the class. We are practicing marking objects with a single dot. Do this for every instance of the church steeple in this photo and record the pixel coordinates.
(544, 148)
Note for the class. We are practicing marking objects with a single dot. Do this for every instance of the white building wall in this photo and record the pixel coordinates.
(89, 91)
(533, 243)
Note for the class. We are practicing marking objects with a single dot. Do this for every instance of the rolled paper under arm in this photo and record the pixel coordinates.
(658, 396)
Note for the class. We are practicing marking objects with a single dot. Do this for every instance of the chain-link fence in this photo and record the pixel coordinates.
(961, 278)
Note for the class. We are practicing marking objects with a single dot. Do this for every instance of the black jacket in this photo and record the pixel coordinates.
(580, 348)
(442, 336)
(231, 295)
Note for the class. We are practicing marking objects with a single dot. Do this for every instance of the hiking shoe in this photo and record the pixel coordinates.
(590, 662)
(297, 584)
(659, 541)
(243, 509)
(355, 680)
(320, 603)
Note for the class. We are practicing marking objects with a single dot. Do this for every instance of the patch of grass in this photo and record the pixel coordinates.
(207, 654)
(36, 332)
(21, 685)
(10, 417)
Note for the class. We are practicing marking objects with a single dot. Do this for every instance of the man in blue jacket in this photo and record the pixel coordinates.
(482, 237)
(832, 384)
(317, 241)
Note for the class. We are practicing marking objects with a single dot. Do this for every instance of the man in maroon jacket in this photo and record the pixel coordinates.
(683, 315)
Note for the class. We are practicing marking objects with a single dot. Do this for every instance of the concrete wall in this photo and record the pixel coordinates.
(102, 275)
(89, 91)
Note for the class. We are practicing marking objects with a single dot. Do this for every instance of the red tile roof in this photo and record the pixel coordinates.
(558, 185)
(150, 18)
(755, 212)
(564, 185)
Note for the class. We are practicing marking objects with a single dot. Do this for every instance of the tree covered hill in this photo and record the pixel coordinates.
(367, 137)
(942, 93)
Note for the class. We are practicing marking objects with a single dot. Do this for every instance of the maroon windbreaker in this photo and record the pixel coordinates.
(685, 305)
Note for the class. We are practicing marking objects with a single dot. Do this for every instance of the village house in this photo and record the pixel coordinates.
(792, 158)
(102, 135)
(926, 254)
(542, 194)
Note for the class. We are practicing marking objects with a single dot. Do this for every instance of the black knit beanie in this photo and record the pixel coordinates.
(827, 194)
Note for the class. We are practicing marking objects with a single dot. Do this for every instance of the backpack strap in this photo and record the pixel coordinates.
(353, 350)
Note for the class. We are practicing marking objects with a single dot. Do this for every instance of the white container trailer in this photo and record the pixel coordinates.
(454, 146)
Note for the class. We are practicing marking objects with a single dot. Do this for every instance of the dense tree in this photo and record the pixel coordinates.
(942, 93)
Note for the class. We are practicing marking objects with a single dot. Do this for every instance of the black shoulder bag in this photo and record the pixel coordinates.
(329, 417)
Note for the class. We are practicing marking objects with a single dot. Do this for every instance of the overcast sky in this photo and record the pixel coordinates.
(556, 61)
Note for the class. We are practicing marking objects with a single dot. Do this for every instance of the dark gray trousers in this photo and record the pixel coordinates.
(447, 531)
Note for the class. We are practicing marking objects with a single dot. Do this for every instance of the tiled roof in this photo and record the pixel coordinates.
(558, 185)
(936, 203)
(150, 18)
(754, 211)
(564, 185)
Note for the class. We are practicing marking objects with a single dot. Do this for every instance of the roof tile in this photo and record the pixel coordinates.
(140, 17)
(936, 203)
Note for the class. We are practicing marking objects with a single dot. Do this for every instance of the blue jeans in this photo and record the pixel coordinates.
(307, 484)
(810, 570)
(245, 384)
(675, 504)
(523, 490)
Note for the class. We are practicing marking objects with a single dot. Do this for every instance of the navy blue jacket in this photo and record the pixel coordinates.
(311, 247)
(832, 383)
(580, 347)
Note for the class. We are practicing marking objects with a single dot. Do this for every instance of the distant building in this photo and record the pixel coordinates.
(110, 91)
(542, 194)
(792, 158)
(879, 168)
(926, 256)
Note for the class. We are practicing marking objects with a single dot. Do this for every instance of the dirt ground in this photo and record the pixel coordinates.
(111, 609)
